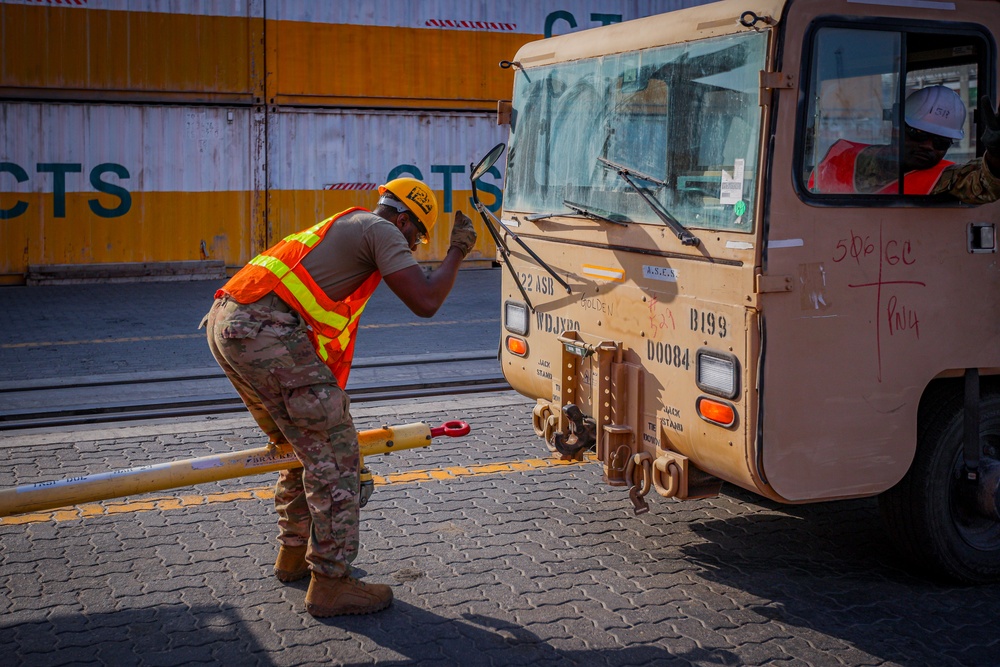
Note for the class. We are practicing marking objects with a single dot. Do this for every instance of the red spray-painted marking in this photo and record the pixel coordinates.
(899, 317)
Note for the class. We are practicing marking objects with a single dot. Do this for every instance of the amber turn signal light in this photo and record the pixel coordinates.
(716, 412)
(517, 346)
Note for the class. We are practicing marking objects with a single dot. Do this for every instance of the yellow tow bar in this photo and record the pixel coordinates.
(163, 476)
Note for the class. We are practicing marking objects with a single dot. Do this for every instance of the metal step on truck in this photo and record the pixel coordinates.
(755, 242)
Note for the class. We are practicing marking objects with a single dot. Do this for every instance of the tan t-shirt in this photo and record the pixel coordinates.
(357, 245)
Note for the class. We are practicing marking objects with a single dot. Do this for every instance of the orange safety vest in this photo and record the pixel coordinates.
(835, 174)
(332, 324)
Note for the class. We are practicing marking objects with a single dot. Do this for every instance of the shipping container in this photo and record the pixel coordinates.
(369, 53)
(92, 183)
(156, 131)
(147, 183)
(429, 54)
(323, 161)
(136, 50)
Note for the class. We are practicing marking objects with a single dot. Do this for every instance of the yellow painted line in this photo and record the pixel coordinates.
(167, 503)
(144, 339)
(135, 339)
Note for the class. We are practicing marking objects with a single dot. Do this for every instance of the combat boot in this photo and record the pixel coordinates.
(291, 563)
(329, 596)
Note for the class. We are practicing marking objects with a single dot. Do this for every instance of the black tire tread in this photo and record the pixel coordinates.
(906, 511)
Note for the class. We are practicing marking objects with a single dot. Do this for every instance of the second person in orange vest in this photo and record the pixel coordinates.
(934, 118)
(283, 330)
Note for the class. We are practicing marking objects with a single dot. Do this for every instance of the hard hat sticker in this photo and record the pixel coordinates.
(420, 198)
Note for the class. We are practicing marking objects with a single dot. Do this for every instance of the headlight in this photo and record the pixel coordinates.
(717, 373)
(515, 318)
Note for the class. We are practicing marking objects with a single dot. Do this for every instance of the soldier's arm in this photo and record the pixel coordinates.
(424, 294)
(970, 183)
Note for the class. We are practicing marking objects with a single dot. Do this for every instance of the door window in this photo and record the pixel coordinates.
(887, 111)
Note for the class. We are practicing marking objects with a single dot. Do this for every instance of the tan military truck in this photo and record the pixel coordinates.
(717, 276)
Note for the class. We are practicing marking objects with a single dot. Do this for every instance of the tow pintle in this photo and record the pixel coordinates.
(582, 434)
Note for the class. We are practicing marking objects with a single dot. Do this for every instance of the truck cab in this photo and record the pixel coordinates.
(731, 266)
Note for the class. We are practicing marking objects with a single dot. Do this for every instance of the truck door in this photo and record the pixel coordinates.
(893, 285)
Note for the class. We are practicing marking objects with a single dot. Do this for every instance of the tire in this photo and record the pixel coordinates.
(924, 514)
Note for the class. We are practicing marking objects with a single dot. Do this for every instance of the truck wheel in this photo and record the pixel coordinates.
(926, 515)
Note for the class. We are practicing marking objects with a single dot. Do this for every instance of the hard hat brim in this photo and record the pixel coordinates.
(935, 129)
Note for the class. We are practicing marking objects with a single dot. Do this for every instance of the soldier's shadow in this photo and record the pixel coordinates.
(420, 635)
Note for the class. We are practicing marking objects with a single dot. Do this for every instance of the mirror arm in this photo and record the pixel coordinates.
(538, 260)
(504, 251)
(498, 224)
(477, 172)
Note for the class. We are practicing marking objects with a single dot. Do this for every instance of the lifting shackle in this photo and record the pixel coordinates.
(176, 474)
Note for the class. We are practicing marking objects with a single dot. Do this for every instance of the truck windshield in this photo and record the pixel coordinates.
(686, 114)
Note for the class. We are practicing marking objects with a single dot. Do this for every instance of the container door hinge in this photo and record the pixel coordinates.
(773, 284)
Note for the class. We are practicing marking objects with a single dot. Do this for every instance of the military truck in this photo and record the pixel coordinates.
(726, 263)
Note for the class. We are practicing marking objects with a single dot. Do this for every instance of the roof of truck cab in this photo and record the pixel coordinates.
(683, 25)
(717, 19)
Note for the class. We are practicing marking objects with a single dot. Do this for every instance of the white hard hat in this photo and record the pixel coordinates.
(938, 110)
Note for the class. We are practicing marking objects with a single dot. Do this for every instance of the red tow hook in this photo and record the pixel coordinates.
(452, 429)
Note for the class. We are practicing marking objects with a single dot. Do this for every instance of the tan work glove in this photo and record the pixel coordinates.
(463, 236)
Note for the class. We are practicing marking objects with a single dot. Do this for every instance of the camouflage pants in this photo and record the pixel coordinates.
(264, 349)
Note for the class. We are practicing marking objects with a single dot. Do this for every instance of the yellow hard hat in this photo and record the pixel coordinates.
(416, 196)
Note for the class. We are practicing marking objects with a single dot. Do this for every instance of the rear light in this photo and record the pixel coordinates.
(517, 346)
(716, 412)
(717, 373)
(515, 318)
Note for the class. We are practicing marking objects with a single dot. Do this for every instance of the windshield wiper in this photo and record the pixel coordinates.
(594, 215)
(686, 237)
(578, 211)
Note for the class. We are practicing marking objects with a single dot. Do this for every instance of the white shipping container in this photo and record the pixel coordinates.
(322, 161)
(90, 183)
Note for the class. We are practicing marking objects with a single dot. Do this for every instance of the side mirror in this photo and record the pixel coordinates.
(487, 162)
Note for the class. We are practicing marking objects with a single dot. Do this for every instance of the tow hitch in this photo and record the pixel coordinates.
(582, 434)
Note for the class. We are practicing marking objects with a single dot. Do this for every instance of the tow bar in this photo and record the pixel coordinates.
(175, 474)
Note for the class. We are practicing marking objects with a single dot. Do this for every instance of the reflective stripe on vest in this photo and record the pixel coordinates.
(309, 236)
(303, 294)
(332, 324)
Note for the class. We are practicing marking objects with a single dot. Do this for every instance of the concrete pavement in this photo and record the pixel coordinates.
(497, 554)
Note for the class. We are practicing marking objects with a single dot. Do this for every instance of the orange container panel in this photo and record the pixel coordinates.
(83, 184)
(441, 54)
(374, 66)
(323, 161)
(86, 52)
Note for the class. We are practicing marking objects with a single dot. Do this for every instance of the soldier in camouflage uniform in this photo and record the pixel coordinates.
(270, 330)
(253, 344)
